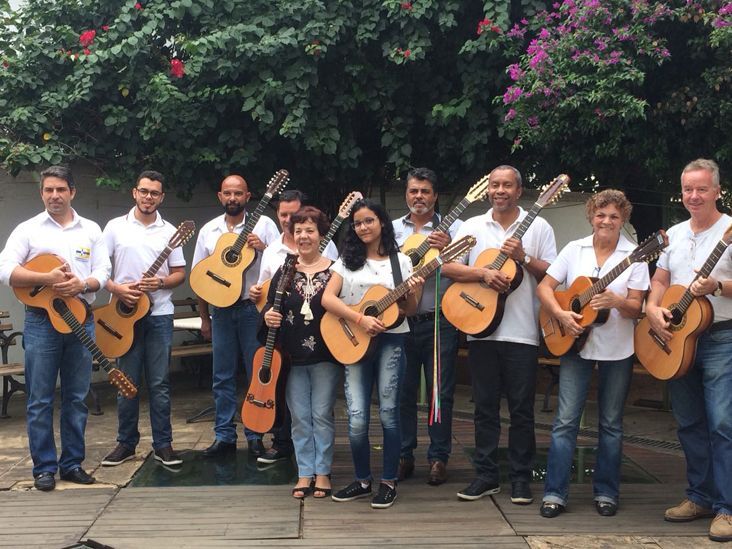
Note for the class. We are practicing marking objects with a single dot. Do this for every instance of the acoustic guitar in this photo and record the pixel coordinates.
(417, 247)
(343, 212)
(114, 323)
(473, 307)
(349, 342)
(262, 408)
(690, 317)
(217, 279)
(577, 298)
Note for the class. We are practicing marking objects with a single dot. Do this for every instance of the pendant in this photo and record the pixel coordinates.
(305, 311)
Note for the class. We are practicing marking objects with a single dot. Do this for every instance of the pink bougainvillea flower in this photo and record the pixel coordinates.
(87, 37)
(482, 24)
(138, 6)
(177, 68)
(407, 53)
(406, 6)
(105, 27)
(87, 51)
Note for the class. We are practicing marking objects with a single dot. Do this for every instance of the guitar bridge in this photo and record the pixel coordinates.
(658, 341)
(349, 333)
(216, 278)
(269, 404)
(109, 329)
(472, 301)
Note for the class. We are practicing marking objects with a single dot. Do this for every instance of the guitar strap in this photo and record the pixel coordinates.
(396, 270)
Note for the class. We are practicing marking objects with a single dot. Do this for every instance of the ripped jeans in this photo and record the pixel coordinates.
(385, 366)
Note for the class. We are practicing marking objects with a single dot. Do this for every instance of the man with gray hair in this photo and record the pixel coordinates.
(702, 399)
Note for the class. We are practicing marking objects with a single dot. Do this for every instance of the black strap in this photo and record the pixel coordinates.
(396, 270)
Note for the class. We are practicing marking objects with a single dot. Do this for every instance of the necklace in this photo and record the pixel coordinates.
(303, 264)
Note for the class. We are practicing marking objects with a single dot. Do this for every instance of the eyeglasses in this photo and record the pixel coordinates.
(367, 222)
(147, 192)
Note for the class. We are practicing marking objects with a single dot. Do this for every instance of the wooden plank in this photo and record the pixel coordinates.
(192, 350)
(12, 369)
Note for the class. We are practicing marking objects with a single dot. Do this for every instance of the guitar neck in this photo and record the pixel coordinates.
(519, 233)
(331, 232)
(81, 334)
(272, 332)
(155, 267)
(706, 269)
(443, 227)
(252, 219)
(397, 293)
(598, 286)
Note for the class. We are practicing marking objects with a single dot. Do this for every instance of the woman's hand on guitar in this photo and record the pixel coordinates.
(569, 321)
(659, 319)
(372, 325)
(496, 280)
(606, 300)
(272, 319)
(255, 292)
(415, 284)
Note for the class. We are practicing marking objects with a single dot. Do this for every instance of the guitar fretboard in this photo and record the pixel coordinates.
(252, 219)
(687, 298)
(331, 232)
(79, 331)
(443, 226)
(599, 285)
(519, 233)
(155, 267)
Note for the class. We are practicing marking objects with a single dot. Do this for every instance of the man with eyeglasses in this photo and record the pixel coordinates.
(419, 345)
(135, 241)
(702, 399)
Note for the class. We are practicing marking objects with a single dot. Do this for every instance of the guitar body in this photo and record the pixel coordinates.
(557, 342)
(409, 248)
(217, 279)
(260, 411)
(262, 301)
(114, 325)
(347, 341)
(673, 360)
(43, 296)
(473, 307)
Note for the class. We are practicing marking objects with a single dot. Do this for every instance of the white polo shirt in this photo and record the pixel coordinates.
(403, 229)
(374, 271)
(688, 251)
(208, 236)
(612, 340)
(80, 243)
(274, 256)
(520, 323)
(134, 247)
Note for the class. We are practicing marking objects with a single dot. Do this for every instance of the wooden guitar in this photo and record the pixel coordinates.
(343, 212)
(262, 408)
(217, 279)
(417, 248)
(577, 298)
(690, 317)
(473, 307)
(114, 323)
(349, 342)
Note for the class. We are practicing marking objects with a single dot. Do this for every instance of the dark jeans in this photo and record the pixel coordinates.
(501, 367)
(419, 347)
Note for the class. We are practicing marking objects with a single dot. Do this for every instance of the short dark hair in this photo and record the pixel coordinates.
(62, 172)
(516, 173)
(290, 195)
(423, 174)
(310, 213)
(152, 175)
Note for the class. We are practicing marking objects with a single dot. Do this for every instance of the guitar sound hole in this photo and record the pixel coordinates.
(370, 311)
(231, 257)
(415, 258)
(125, 309)
(676, 317)
(264, 375)
(575, 306)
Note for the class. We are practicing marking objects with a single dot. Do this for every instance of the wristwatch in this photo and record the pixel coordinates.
(527, 260)
(85, 290)
(161, 283)
(718, 291)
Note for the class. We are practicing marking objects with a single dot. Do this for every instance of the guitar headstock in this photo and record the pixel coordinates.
(348, 203)
(650, 248)
(727, 236)
(183, 234)
(552, 191)
(479, 191)
(287, 273)
(123, 383)
(458, 248)
(278, 182)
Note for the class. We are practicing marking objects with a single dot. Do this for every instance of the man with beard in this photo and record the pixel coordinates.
(421, 196)
(232, 329)
(134, 242)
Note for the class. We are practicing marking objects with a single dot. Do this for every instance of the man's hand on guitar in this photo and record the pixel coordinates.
(438, 239)
(659, 319)
(255, 292)
(372, 325)
(128, 293)
(272, 319)
(496, 280)
(253, 241)
(514, 249)
(150, 284)
(60, 274)
(70, 287)
(703, 286)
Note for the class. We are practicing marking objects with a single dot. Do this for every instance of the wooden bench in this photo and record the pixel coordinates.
(187, 310)
(8, 370)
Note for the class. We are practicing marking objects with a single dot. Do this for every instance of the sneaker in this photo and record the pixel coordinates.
(478, 489)
(355, 490)
(721, 528)
(385, 498)
(167, 456)
(406, 467)
(550, 509)
(521, 493)
(272, 455)
(686, 511)
(118, 456)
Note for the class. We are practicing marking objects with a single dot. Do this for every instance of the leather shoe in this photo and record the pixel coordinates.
(219, 448)
(78, 476)
(606, 508)
(45, 482)
(406, 467)
(438, 473)
(256, 447)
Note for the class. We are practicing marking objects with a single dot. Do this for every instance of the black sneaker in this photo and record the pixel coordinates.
(118, 456)
(521, 493)
(273, 455)
(353, 491)
(385, 498)
(478, 489)
(167, 456)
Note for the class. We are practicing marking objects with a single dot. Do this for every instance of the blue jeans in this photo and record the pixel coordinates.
(419, 347)
(385, 368)
(498, 367)
(311, 395)
(702, 406)
(233, 334)
(149, 354)
(48, 353)
(575, 374)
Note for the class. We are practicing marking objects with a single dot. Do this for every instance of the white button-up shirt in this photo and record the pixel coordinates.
(274, 256)
(134, 247)
(520, 323)
(612, 340)
(208, 236)
(80, 243)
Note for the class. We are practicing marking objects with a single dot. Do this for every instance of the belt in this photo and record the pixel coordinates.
(424, 317)
(721, 325)
(37, 310)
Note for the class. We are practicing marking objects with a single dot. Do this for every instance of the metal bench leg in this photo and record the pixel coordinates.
(10, 386)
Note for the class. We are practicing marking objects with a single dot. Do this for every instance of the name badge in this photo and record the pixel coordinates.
(82, 254)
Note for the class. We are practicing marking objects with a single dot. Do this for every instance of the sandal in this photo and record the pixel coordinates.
(323, 492)
(302, 492)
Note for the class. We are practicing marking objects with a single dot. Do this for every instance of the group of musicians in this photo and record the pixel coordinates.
(502, 362)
